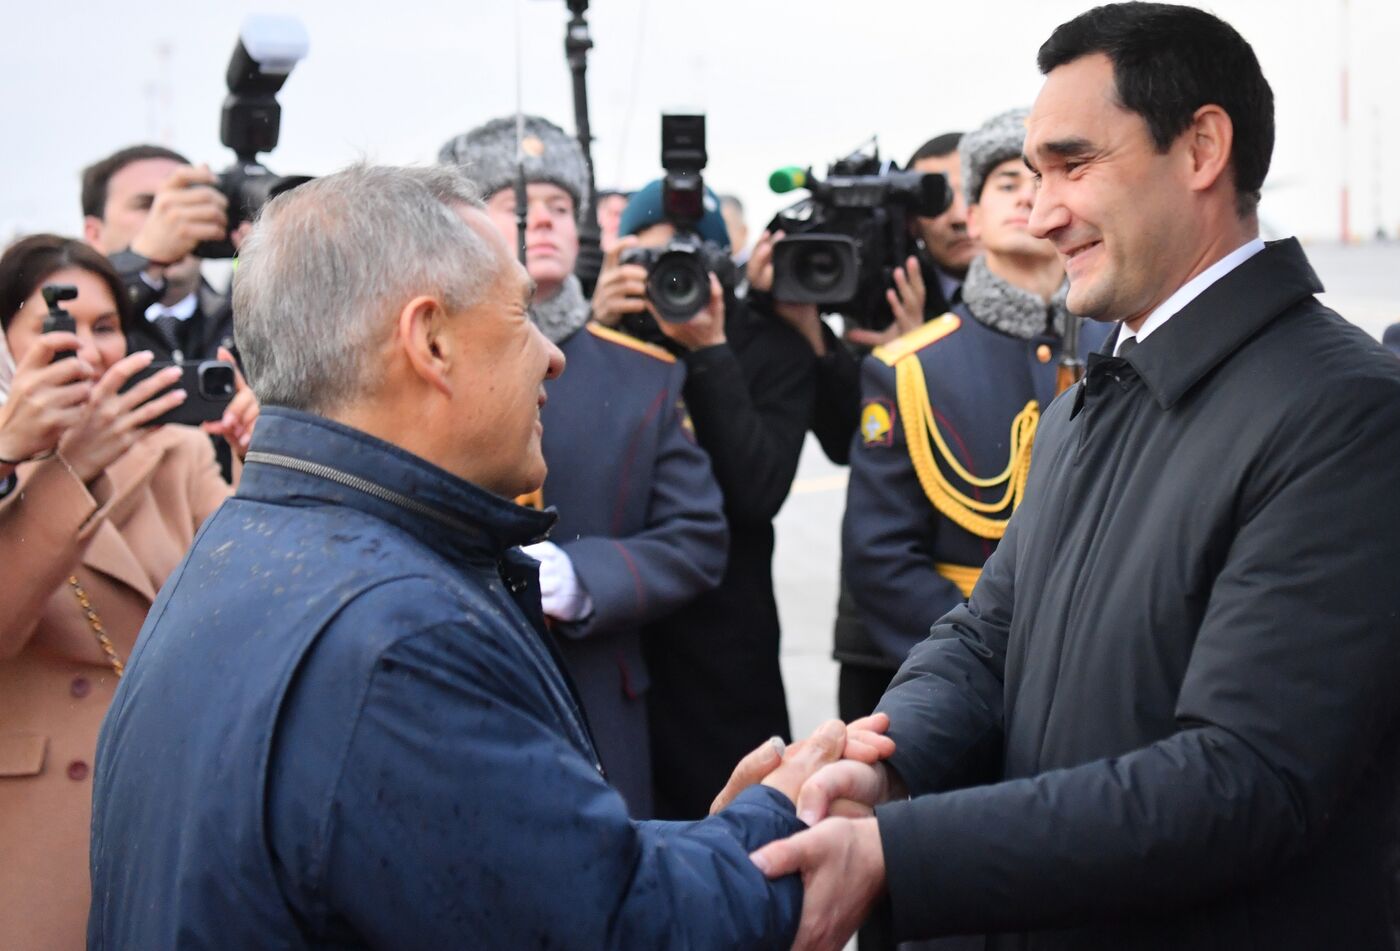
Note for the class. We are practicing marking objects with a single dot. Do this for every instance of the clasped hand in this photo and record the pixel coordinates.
(835, 778)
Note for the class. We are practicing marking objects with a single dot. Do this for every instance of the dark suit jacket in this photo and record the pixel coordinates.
(202, 334)
(640, 517)
(1167, 718)
(717, 687)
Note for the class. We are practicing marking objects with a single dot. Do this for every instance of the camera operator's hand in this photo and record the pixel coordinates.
(621, 288)
(187, 209)
(236, 425)
(759, 270)
(45, 401)
(705, 329)
(804, 318)
(112, 420)
(906, 300)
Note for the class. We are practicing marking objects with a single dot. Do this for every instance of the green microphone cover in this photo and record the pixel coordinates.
(786, 179)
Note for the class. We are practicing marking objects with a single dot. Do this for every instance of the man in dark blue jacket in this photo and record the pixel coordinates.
(344, 725)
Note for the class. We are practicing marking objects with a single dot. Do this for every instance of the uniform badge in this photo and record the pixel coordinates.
(687, 424)
(877, 423)
(532, 146)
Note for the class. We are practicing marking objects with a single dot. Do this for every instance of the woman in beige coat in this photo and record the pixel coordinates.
(99, 511)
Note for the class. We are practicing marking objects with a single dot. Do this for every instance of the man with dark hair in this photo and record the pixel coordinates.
(146, 208)
(1167, 716)
(946, 249)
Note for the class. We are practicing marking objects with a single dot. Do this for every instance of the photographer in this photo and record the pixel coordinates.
(716, 684)
(97, 510)
(926, 287)
(641, 529)
(146, 208)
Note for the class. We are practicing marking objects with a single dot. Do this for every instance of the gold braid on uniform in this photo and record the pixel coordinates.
(920, 424)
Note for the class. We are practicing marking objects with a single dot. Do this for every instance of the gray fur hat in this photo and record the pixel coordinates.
(1000, 138)
(487, 155)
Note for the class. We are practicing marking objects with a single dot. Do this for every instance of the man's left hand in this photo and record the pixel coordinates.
(865, 742)
(842, 863)
(705, 329)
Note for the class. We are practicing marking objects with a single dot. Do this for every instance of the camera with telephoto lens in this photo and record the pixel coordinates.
(845, 239)
(678, 274)
(268, 48)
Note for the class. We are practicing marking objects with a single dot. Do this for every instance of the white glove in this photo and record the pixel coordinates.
(562, 596)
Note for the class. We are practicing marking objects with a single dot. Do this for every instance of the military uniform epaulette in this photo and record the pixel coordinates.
(630, 342)
(916, 340)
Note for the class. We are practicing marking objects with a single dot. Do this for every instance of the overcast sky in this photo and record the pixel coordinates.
(783, 83)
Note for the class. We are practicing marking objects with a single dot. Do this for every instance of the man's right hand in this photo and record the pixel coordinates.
(849, 789)
(621, 288)
(46, 399)
(806, 319)
(187, 209)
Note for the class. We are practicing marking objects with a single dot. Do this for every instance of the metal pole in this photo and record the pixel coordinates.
(577, 43)
(1346, 122)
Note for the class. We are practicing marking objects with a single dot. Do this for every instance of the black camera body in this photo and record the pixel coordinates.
(844, 241)
(678, 274)
(267, 50)
(59, 319)
(210, 386)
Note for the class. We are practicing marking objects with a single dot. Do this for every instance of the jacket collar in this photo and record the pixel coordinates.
(1213, 326)
(297, 457)
(107, 550)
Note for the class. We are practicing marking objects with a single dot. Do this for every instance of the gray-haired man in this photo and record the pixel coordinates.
(344, 725)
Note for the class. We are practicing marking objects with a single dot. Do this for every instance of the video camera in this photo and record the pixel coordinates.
(268, 48)
(678, 274)
(844, 241)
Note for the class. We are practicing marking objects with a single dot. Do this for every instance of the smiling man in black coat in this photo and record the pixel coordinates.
(1167, 717)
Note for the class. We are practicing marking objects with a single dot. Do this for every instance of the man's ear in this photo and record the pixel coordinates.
(92, 231)
(1210, 144)
(422, 333)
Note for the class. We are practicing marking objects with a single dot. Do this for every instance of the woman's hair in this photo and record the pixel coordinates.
(31, 261)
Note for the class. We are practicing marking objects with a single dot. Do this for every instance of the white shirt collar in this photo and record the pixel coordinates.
(1188, 292)
(181, 310)
(947, 283)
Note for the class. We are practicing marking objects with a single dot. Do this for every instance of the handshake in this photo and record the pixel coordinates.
(835, 778)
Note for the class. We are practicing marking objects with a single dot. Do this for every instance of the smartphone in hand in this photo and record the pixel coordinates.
(211, 385)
